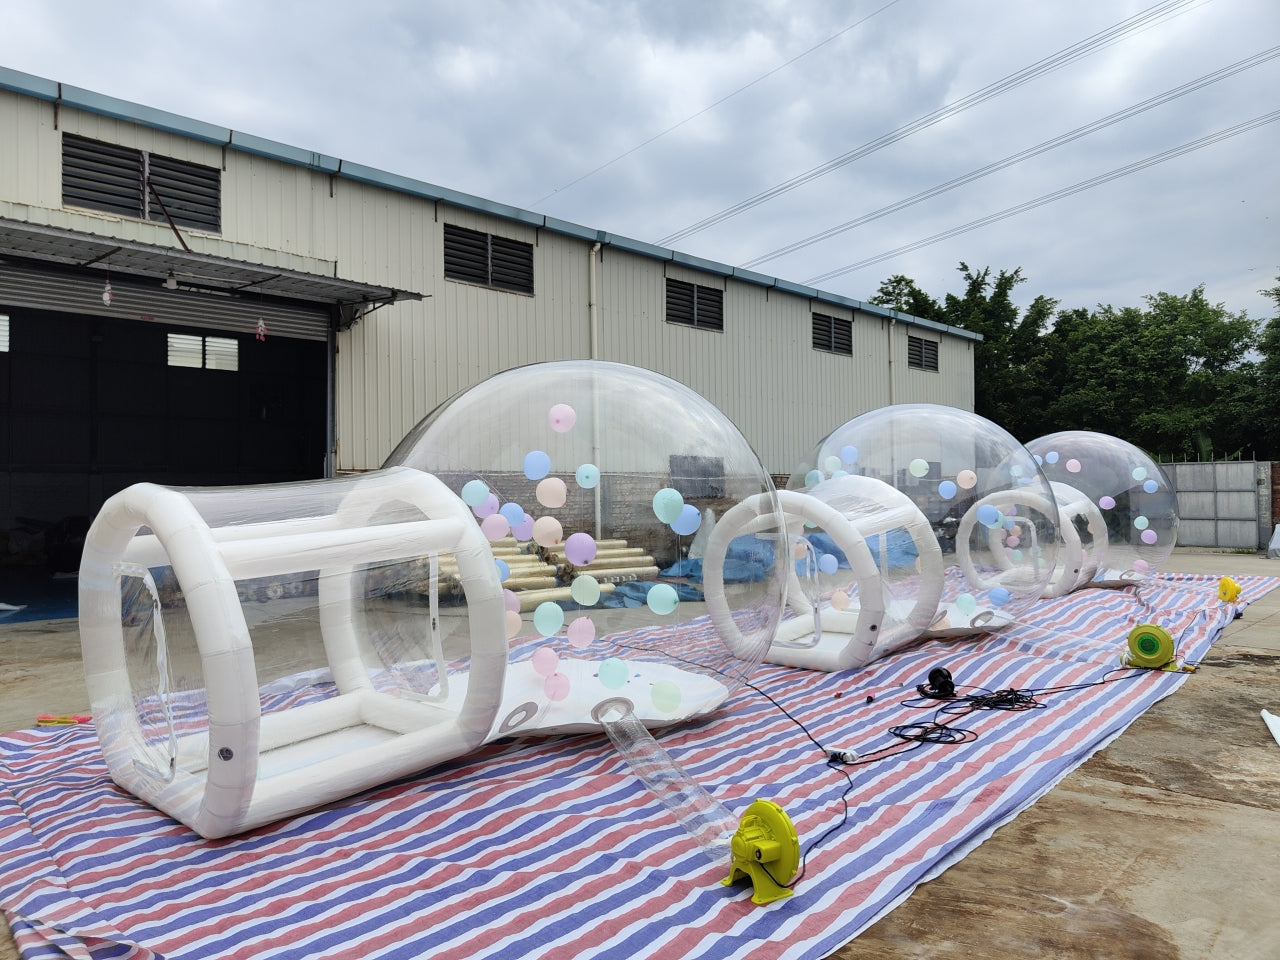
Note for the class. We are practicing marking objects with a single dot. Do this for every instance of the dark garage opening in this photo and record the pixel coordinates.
(90, 405)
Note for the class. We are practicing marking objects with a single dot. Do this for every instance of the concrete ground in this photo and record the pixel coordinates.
(1161, 846)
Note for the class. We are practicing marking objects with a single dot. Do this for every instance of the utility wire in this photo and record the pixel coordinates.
(1056, 195)
(728, 96)
(1167, 97)
(1062, 58)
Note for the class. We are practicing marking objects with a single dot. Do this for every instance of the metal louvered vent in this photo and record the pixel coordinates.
(922, 354)
(135, 183)
(832, 334)
(101, 176)
(475, 257)
(695, 306)
(511, 264)
(189, 192)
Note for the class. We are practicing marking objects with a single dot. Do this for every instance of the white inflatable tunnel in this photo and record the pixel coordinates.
(248, 656)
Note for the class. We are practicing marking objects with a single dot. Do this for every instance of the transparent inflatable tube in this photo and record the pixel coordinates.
(214, 781)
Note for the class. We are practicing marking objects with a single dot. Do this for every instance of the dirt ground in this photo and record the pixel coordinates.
(1160, 846)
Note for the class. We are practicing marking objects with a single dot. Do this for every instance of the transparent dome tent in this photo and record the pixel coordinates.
(592, 481)
(1119, 510)
(930, 522)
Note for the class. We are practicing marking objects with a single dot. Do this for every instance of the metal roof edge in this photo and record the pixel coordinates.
(19, 82)
(273, 150)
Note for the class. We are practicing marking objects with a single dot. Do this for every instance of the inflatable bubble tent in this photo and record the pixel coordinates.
(933, 521)
(1119, 510)
(594, 482)
(251, 652)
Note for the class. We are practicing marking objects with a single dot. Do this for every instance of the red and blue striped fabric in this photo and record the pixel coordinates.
(552, 848)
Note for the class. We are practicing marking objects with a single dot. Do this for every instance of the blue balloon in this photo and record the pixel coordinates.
(828, 563)
(946, 489)
(513, 512)
(689, 521)
(536, 464)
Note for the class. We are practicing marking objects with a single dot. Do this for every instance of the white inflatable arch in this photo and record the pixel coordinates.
(228, 767)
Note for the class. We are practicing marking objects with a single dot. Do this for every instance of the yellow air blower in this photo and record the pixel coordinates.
(1151, 648)
(766, 850)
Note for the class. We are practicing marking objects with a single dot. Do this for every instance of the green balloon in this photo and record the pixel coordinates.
(613, 673)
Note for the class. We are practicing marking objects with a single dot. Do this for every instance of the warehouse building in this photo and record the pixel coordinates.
(188, 304)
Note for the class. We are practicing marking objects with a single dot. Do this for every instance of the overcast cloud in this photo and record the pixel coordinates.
(515, 101)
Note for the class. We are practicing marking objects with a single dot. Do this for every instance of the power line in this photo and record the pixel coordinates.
(1067, 55)
(1167, 97)
(728, 96)
(1051, 197)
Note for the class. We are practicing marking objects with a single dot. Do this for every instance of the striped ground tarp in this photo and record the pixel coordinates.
(552, 848)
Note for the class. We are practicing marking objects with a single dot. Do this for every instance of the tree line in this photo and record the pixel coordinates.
(1179, 376)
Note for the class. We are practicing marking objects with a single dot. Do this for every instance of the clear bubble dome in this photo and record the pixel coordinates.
(960, 521)
(598, 486)
(1122, 506)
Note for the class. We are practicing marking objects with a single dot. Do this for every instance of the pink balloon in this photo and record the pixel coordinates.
(495, 526)
(514, 623)
(545, 661)
(562, 417)
(511, 601)
(547, 531)
(556, 687)
(552, 492)
(581, 633)
(580, 549)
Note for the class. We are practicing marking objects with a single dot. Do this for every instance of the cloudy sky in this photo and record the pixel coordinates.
(655, 120)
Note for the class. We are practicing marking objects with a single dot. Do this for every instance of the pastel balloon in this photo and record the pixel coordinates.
(1138, 473)
(513, 512)
(581, 632)
(1150, 486)
(612, 673)
(1073, 465)
(511, 601)
(548, 618)
(552, 492)
(966, 479)
(688, 522)
(1140, 522)
(966, 603)
(547, 531)
(831, 464)
(840, 600)
(1106, 503)
(556, 687)
(585, 590)
(1000, 596)
(1148, 536)
(524, 529)
(665, 696)
(514, 623)
(667, 504)
(918, 467)
(587, 475)
(487, 507)
(545, 661)
(495, 526)
(828, 564)
(580, 549)
(988, 515)
(475, 492)
(849, 453)
(813, 478)
(504, 570)
(537, 464)
(1051, 456)
(562, 417)
(946, 489)
(662, 598)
